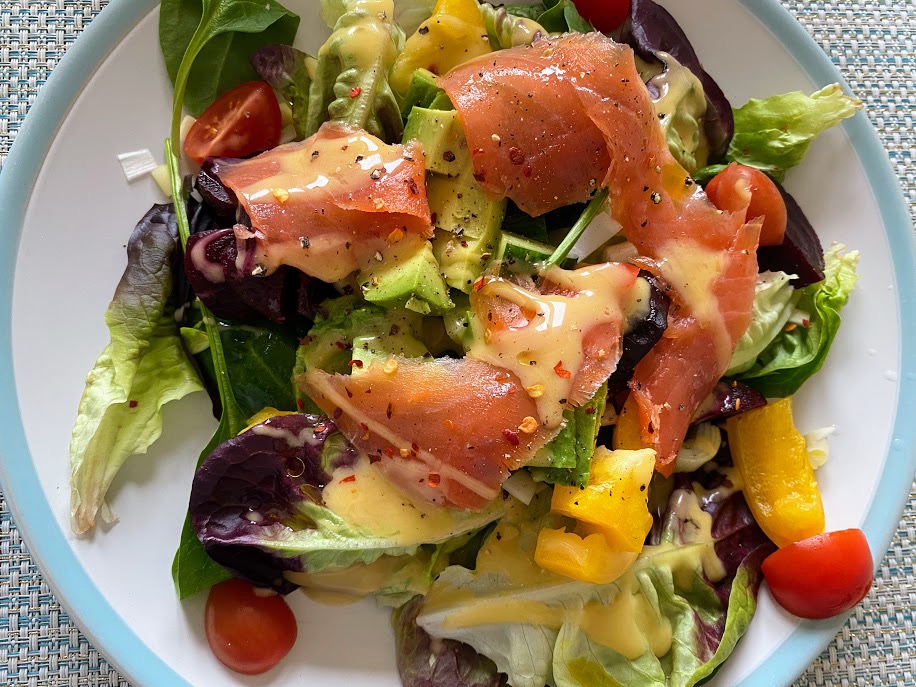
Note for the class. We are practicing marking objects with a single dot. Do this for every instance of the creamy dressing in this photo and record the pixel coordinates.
(366, 39)
(352, 584)
(547, 350)
(364, 497)
(681, 106)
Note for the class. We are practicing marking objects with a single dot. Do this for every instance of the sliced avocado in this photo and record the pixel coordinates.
(422, 92)
(462, 259)
(461, 207)
(521, 255)
(396, 342)
(442, 102)
(407, 276)
(442, 137)
(457, 321)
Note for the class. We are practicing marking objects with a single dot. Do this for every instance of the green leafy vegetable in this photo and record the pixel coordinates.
(797, 353)
(508, 27)
(774, 302)
(351, 79)
(207, 45)
(681, 105)
(669, 621)
(562, 16)
(594, 208)
(774, 134)
(290, 72)
(141, 369)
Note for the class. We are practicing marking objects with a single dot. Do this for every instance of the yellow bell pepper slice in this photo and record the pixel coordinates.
(779, 482)
(628, 430)
(615, 499)
(454, 34)
(588, 558)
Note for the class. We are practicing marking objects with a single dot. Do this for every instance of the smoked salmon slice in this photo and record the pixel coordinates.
(547, 125)
(326, 205)
(445, 430)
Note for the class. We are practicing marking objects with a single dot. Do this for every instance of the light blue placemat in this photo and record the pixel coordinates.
(871, 42)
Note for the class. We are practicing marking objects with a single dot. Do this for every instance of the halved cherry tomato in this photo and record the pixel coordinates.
(821, 576)
(250, 630)
(242, 121)
(605, 15)
(731, 188)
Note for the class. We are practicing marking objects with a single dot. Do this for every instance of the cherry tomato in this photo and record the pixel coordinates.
(731, 188)
(242, 121)
(605, 15)
(821, 576)
(250, 630)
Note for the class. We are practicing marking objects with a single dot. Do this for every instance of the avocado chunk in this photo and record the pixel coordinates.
(462, 259)
(442, 137)
(422, 92)
(383, 345)
(407, 276)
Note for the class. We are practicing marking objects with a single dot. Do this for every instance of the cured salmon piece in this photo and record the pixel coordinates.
(550, 123)
(562, 340)
(448, 431)
(326, 205)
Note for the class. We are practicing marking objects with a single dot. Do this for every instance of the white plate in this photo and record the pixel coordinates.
(70, 210)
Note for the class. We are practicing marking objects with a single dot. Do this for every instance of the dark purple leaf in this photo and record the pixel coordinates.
(246, 494)
(649, 29)
(800, 253)
(424, 662)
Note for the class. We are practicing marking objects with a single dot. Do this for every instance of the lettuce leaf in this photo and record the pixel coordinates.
(350, 82)
(774, 302)
(774, 134)
(141, 369)
(670, 621)
(288, 71)
(797, 353)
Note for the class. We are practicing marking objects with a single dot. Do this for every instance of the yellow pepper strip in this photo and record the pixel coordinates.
(454, 34)
(779, 482)
(628, 431)
(589, 558)
(263, 415)
(615, 499)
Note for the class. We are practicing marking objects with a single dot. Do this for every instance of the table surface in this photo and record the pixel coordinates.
(872, 44)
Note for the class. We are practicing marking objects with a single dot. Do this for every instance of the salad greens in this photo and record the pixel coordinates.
(207, 45)
(799, 351)
(143, 368)
(288, 495)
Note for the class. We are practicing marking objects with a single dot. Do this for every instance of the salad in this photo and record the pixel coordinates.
(501, 310)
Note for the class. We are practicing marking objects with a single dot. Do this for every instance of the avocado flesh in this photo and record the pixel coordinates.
(407, 276)
(422, 92)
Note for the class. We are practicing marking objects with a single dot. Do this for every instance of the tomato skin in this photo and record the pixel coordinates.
(605, 15)
(730, 188)
(821, 576)
(242, 121)
(250, 630)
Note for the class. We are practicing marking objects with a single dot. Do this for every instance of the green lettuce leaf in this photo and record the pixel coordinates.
(794, 355)
(774, 134)
(669, 621)
(350, 83)
(774, 303)
(141, 369)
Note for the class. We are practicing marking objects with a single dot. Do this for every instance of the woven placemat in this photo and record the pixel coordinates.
(871, 42)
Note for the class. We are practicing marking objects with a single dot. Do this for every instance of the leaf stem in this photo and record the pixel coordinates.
(592, 210)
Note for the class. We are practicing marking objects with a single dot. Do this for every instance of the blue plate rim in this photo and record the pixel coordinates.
(48, 544)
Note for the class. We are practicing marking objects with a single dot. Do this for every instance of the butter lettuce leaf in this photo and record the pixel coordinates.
(774, 303)
(143, 368)
(350, 80)
(799, 352)
(773, 134)
(669, 621)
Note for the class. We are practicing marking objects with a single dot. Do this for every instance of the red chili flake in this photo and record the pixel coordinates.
(589, 411)
(434, 218)
(319, 429)
(516, 156)
(389, 452)
(806, 323)
(412, 185)
(349, 393)
(434, 479)
(388, 411)
(350, 478)
(355, 91)
(373, 460)
(415, 447)
(479, 284)
(300, 404)
(340, 344)
(133, 404)
(355, 363)
(337, 413)
(558, 368)
(511, 437)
